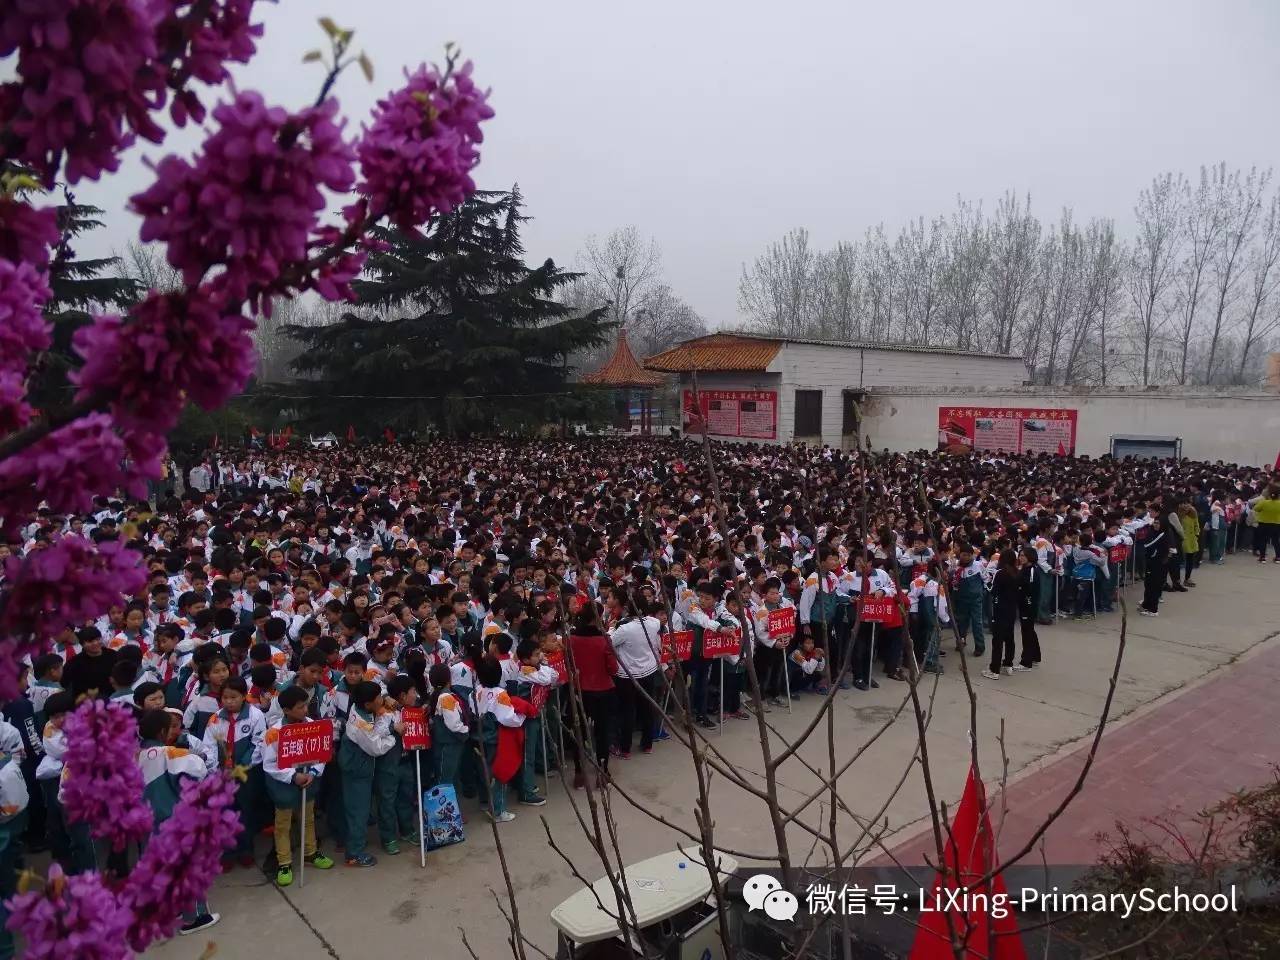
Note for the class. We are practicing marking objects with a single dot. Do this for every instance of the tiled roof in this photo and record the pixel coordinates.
(717, 351)
(896, 346)
(623, 370)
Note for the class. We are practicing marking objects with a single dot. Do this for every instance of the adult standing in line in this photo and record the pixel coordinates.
(636, 643)
(1029, 591)
(1266, 510)
(595, 666)
(1006, 603)
(1173, 542)
(1157, 554)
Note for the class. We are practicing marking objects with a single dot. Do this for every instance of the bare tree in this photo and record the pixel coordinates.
(1013, 237)
(666, 321)
(919, 254)
(965, 273)
(1261, 315)
(1159, 215)
(146, 264)
(837, 293)
(775, 293)
(1064, 307)
(623, 269)
(1201, 226)
(1240, 204)
(883, 273)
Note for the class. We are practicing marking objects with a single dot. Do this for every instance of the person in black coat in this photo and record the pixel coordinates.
(1156, 553)
(1029, 577)
(90, 669)
(1005, 605)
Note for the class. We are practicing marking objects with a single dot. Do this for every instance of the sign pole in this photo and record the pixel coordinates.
(871, 653)
(546, 760)
(786, 675)
(721, 730)
(422, 823)
(302, 841)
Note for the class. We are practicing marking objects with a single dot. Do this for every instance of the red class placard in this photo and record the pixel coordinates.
(782, 623)
(721, 643)
(1007, 430)
(677, 646)
(880, 610)
(416, 736)
(310, 742)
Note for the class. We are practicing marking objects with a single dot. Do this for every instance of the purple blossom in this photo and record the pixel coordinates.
(174, 345)
(252, 199)
(71, 917)
(181, 860)
(66, 469)
(103, 783)
(15, 412)
(225, 36)
(22, 329)
(416, 158)
(89, 81)
(26, 234)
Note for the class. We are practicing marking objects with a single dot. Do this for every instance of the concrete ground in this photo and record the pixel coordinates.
(1181, 696)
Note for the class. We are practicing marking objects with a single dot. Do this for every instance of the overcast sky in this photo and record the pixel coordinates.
(716, 126)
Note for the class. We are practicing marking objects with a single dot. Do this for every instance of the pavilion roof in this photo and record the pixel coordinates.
(623, 369)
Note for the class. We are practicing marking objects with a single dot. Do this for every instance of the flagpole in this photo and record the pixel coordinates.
(422, 822)
(302, 841)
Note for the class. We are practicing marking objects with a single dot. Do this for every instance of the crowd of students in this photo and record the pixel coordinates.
(494, 581)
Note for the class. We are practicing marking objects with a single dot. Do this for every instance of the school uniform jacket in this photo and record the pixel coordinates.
(162, 771)
(234, 741)
(280, 786)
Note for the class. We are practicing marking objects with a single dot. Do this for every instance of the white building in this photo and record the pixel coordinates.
(773, 389)
(1124, 360)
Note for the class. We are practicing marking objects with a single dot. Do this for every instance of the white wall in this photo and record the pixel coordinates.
(1235, 426)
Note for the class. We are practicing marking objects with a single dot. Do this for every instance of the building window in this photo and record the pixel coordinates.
(808, 413)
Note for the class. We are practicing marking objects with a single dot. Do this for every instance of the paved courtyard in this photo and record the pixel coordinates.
(1195, 704)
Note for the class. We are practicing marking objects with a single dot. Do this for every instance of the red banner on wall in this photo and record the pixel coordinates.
(1007, 429)
(752, 414)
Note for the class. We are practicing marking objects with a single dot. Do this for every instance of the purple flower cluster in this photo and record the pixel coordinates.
(71, 917)
(23, 331)
(417, 156)
(181, 860)
(27, 234)
(65, 469)
(252, 199)
(225, 36)
(65, 584)
(103, 785)
(88, 81)
(92, 72)
(173, 345)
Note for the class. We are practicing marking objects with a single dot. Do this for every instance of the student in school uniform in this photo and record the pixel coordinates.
(808, 664)
(451, 722)
(285, 789)
(395, 781)
(532, 673)
(74, 858)
(496, 711)
(14, 798)
(212, 673)
(47, 670)
(163, 769)
(367, 735)
(233, 741)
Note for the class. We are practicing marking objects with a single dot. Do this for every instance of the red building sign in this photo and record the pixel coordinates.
(751, 414)
(1007, 429)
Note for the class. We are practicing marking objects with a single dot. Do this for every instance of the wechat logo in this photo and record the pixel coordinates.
(763, 892)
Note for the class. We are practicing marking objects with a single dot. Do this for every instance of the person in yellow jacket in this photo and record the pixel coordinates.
(1190, 541)
(1266, 512)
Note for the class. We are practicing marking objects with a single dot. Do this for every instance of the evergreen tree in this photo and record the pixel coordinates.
(457, 333)
(79, 287)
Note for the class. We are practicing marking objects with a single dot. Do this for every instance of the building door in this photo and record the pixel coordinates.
(849, 420)
(808, 414)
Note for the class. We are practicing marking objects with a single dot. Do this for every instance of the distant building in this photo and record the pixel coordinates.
(778, 390)
(1124, 360)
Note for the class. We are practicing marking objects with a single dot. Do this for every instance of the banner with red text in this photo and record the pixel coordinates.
(1007, 430)
(751, 414)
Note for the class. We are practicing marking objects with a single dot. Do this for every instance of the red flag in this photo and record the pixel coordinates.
(389, 435)
(254, 432)
(351, 433)
(1062, 451)
(1276, 468)
(970, 853)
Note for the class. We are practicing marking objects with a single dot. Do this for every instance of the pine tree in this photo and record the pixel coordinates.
(457, 333)
(79, 288)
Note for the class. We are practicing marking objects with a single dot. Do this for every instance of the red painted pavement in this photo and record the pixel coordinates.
(1176, 759)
